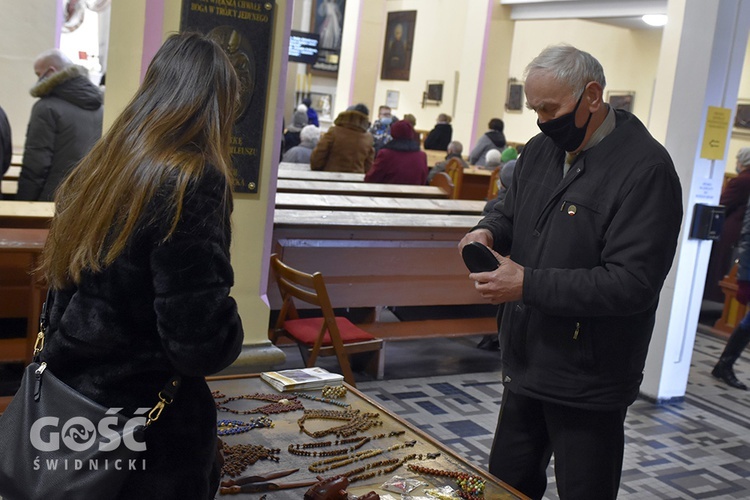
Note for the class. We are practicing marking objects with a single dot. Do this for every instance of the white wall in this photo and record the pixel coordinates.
(26, 32)
(629, 58)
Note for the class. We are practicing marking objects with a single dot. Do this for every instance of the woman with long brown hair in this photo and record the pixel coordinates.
(138, 259)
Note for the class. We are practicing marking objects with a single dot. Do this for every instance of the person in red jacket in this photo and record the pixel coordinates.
(734, 197)
(400, 161)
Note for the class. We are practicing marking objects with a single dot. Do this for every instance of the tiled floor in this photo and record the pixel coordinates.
(697, 449)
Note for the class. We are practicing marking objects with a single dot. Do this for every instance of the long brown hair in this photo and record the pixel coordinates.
(179, 121)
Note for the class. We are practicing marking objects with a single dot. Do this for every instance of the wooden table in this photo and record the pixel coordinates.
(321, 175)
(300, 201)
(286, 431)
(359, 189)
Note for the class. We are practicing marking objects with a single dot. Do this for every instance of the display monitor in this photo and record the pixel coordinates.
(303, 47)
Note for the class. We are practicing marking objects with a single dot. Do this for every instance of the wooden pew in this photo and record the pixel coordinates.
(294, 166)
(476, 182)
(372, 259)
(26, 214)
(300, 201)
(359, 189)
(320, 175)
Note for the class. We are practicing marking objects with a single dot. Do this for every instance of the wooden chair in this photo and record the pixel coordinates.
(444, 182)
(455, 169)
(326, 336)
(493, 187)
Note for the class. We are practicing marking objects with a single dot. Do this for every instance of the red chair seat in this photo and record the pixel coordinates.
(307, 330)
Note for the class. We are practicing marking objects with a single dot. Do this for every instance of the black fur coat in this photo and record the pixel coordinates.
(161, 308)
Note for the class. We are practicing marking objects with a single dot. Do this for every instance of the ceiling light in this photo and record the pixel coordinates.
(655, 19)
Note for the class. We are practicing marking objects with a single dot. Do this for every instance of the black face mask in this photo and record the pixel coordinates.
(563, 131)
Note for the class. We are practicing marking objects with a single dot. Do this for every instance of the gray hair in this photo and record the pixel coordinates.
(570, 66)
(310, 133)
(53, 57)
(455, 147)
(743, 157)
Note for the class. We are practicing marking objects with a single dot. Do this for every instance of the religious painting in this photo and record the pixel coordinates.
(328, 22)
(621, 100)
(245, 32)
(433, 93)
(398, 45)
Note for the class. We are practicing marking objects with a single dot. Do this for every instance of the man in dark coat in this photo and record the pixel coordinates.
(65, 123)
(589, 227)
(734, 197)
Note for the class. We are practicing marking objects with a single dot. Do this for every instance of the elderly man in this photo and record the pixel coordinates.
(65, 123)
(589, 230)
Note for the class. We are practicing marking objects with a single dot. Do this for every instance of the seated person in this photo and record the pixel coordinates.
(381, 129)
(299, 121)
(455, 148)
(310, 135)
(440, 136)
(492, 139)
(503, 183)
(347, 146)
(400, 161)
(413, 120)
(312, 115)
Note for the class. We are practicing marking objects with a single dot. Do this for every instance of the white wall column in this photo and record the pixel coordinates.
(700, 65)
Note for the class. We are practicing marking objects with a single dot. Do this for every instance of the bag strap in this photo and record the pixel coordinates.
(166, 395)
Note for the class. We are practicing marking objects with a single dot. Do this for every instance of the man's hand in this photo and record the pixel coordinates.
(483, 236)
(505, 284)
(743, 292)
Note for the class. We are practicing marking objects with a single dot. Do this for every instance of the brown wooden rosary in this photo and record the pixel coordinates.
(279, 403)
(355, 421)
(239, 457)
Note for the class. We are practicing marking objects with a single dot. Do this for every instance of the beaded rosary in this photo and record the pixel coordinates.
(384, 467)
(279, 404)
(336, 462)
(323, 400)
(230, 427)
(239, 457)
(300, 449)
(334, 391)
(470, 487)
(356, 421)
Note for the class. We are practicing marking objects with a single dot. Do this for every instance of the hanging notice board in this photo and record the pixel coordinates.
(245, 30)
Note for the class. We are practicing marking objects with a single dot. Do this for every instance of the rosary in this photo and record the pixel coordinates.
(336, 462)
(355, 422)
(239, 457)
(279, 404)
(470, 487)
(229, 427)
(299, 449)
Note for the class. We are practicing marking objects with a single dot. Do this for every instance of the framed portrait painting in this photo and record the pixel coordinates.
(398, 44)
(328, 22)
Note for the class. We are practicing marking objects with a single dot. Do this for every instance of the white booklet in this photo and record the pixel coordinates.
(301, 379)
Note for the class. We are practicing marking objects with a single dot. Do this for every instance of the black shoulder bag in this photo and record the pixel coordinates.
(55, 443)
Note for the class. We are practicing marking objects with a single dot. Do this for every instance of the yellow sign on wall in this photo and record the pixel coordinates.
(716, 131)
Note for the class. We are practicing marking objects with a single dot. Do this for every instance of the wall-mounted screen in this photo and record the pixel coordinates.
(303, 47)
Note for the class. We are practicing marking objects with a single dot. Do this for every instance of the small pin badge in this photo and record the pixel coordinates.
(572, 210)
